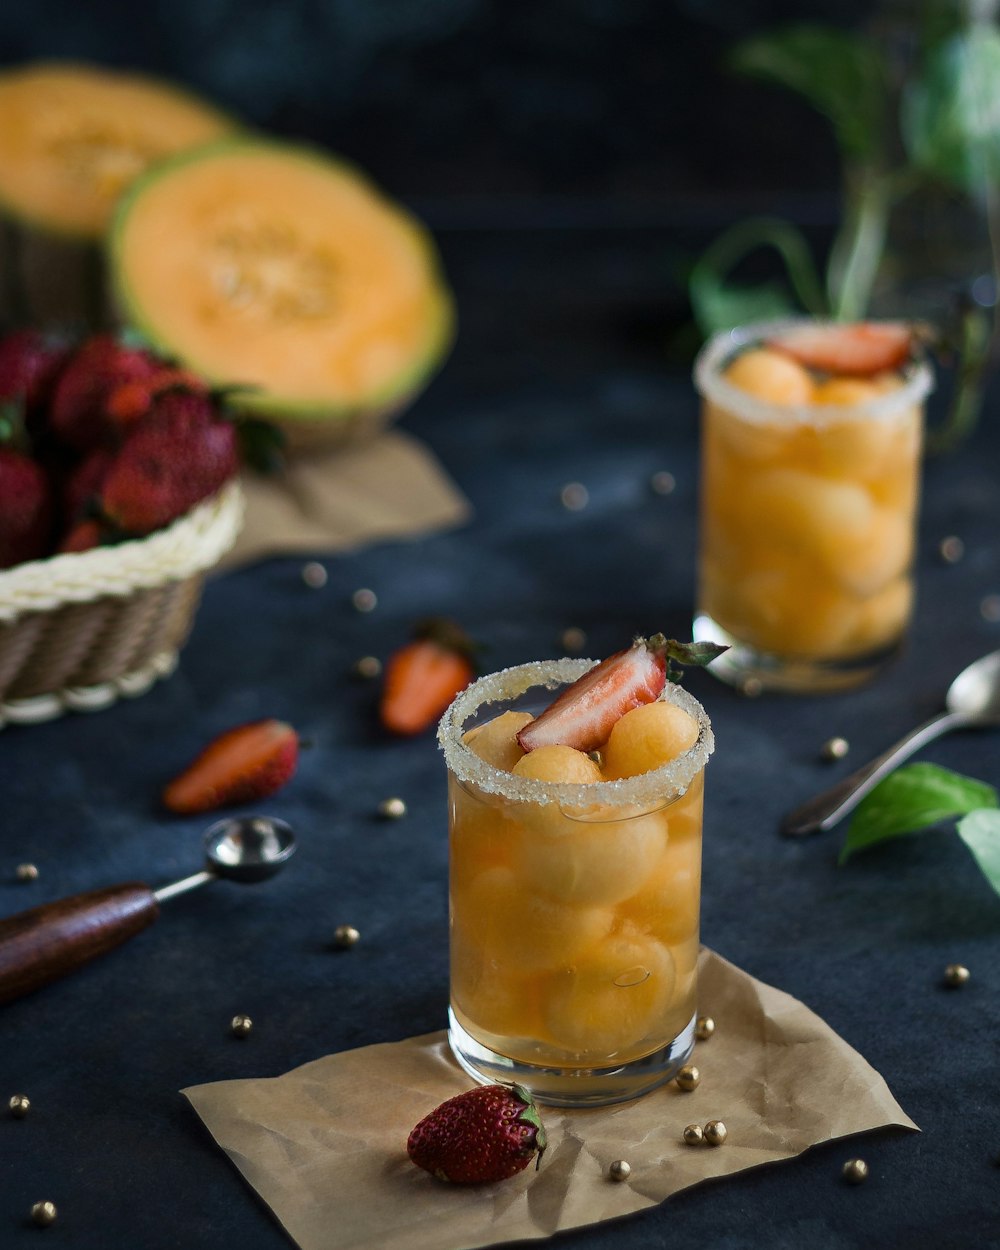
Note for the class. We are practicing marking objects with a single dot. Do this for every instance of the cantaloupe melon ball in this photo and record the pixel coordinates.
(793, 615)
(684, 815)
(667, 906)
(864, 567)
(554, 764)
(805, 512)
(496, 741)
(883, 617)
(734, 440)
(770, 376)
(614, 998)
(482, 834)
(648, 737)
(581, 862)
(511, 923)
(856, 449)
(494, 995)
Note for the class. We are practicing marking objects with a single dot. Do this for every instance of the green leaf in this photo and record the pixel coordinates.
(841, 74)
(721, 306)
(262, 445)
(980, 831)
(910, 799)
(951, 113)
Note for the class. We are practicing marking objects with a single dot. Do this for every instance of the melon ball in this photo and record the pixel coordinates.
(883, 617)
(558, 764)
(579, 862)
(481, 832)
(864, 567)
(770, 376)
(496, 741)
(735, 439)
(511, 924)
(613, 999)
(648, 737)
(789, 613)
(846, 392)
(494, 996)
(805, 512)
(668, 904)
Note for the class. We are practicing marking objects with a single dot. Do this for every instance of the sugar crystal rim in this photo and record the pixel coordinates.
(668, 782)
(918, 383)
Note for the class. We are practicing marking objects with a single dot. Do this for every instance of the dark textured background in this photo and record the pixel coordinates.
(570, 156)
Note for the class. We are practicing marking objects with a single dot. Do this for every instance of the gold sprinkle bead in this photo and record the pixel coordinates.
(688, 1078)
(368, 667)
(345, 936)
(44, 1213)
(834, 749)
(751, 687)
(574, 496)
(951, 549)
(663, 483)
(240, 1026)
(26, 872)
(704, 1028)
(620, 1170)
(392, 809)
(573, 640)
(854, 1171)
(364, 600)
(20, 1105)
(716, 1132)
(314, 575)
(989, 608)
(956, 975)
(694, 1135)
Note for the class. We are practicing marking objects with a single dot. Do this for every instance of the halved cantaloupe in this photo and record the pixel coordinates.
(72, 137)
(280, 268)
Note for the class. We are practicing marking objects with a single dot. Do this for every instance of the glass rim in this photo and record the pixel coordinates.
(655, 787)
(917, 385)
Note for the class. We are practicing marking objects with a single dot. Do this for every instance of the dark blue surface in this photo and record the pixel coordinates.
(544, 388)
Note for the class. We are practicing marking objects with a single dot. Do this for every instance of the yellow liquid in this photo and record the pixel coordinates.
(807, 529)
(574, 943)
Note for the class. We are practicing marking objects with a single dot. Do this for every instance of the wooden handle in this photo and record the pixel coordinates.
(39, 945)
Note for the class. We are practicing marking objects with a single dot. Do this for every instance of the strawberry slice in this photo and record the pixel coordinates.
(584, 714)
(241, 765)
(860, 350)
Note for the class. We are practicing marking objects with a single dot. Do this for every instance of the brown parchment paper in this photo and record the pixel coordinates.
(325, 1144)
(329, 501)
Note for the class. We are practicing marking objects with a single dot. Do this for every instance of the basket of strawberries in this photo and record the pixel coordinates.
(118, 492)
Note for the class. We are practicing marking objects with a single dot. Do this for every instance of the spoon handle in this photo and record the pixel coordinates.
(826, 809)
(39, 945)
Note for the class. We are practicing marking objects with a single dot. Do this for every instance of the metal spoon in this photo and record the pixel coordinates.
(47, 942)
(972, 702)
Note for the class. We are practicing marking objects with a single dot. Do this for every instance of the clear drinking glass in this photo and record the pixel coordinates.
(573, 908)
(808, 518)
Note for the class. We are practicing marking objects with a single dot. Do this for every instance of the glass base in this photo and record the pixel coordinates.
(752, 671)
(573, 1087)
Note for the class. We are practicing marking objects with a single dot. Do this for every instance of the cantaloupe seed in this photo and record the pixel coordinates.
(769, 375)
(648, 737)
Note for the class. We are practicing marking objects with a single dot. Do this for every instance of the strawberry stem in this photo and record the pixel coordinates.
(688, 654)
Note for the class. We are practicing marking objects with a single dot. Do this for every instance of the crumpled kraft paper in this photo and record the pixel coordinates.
(329, 501)
(325, 1144)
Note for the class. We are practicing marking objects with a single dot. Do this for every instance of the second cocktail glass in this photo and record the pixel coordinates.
(809, 498)
(574, 906)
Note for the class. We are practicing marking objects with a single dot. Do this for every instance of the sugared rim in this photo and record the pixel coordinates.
(918, 382)
(668, 782)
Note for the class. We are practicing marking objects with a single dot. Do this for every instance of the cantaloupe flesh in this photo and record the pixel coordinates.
(276, 267)
(73, 137)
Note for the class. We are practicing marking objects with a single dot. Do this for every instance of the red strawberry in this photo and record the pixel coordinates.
(173, 458)
(241, 765)
(584, 714)
(25, 509)
(861, 349)
(423, 677)
(29, 362)
(78, 411)
(131, 400)
(486, 1134)
(83, 536)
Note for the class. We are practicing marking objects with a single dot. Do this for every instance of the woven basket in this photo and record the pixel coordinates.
(79, 631)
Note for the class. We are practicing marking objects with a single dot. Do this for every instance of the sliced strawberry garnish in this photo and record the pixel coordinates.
(241, 765)
(860, 350)
(584, 714)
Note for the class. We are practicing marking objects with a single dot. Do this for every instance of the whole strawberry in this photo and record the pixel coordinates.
(487, 1134)
(175, 457)
(25, 509)
(78, 412)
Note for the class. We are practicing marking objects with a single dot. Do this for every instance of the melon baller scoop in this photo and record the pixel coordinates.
(47, 942)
